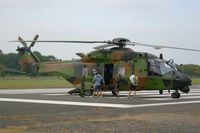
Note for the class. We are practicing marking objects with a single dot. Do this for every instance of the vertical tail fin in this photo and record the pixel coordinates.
(28, 62)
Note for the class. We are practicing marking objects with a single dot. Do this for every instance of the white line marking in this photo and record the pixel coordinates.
(187, 97)
(56, 94)
(162, 104)
(65, 103)
(94, 104)
(35, 91)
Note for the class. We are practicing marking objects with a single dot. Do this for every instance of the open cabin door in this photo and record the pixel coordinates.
(108, 74)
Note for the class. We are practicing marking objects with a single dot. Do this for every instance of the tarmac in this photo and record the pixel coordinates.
(54, 110)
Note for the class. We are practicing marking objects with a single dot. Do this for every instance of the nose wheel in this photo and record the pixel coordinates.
(176, 94)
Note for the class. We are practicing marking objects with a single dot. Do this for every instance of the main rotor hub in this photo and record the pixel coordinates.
(121, 42)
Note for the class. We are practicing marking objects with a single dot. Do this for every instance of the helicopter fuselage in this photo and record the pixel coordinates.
(153, 73)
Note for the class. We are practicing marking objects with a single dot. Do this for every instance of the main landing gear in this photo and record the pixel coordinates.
(176, 94)
(160, 92)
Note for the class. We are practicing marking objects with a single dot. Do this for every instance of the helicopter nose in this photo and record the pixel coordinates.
(183, 79)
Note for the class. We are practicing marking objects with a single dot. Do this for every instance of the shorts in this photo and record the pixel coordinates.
(132, 87)
(97, 88)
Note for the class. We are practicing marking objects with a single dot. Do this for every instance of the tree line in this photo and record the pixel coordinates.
(190, 69)
(10, 60)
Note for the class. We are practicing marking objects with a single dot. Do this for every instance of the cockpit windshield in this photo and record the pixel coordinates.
(159, 67)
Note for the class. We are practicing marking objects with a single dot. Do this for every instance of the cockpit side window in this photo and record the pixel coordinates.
(158, 67)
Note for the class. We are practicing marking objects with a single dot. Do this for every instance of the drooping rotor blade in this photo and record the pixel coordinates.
(22, 41)
(55, 41)
(33, 43)
(160, 46)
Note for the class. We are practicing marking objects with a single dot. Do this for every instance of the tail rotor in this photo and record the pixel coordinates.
(28, 48)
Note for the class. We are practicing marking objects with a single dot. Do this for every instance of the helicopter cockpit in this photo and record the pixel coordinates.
(161, 67)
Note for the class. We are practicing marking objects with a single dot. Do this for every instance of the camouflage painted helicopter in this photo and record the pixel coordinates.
(154, 73)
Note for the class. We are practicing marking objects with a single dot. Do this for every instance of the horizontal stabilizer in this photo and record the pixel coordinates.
(82, 55)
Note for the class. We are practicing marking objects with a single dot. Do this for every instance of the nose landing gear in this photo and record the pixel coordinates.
(176, 94)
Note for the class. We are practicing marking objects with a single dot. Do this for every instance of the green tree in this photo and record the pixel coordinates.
(44, 58)
(2, 71)
(190, 69)
(11, 60)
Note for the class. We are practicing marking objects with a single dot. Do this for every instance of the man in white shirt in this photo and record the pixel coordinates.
(133, 84)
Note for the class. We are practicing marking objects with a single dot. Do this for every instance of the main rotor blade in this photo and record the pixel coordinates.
(22, 41)
(54, 41)
(160, 46)
(33, 43)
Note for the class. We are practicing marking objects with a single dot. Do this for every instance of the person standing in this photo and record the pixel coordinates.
(118, 84)
(98, 79)
(82, 90)
(133, 84)
(83, 77)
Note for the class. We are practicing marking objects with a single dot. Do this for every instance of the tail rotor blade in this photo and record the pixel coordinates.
(35, 57)
(22, 41)
(33, 42)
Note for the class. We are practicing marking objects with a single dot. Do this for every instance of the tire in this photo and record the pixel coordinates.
(160, 91)
(175, 95)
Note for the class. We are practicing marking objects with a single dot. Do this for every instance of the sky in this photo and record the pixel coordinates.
(159, 22)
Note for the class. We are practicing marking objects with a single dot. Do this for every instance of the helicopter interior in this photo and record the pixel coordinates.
(108, 72)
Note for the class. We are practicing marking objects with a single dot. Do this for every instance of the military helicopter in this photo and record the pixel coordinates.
(111, 58)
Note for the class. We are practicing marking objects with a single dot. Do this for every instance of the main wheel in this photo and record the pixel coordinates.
(160, 91)
(175, 95)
